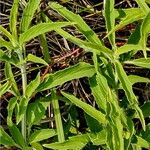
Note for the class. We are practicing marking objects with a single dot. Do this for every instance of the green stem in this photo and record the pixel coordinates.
(24, 85)
(58, 119)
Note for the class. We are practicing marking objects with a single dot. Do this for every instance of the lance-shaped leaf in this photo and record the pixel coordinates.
(6, 33)
(4, 57)
(6, 44)
(42, 134)
(21, 109)
(4, 88)
(143, 6)
(135, 79)
(87, 108)
(36, 59)
(13, 18)
(76, 142)
(110, 19)
(28, 14)
(127, 48)
(10, 77)
(6, 139)
(130, 17)
(80, 23)
(40, 29)
(141, 62)
(127, 86)
(10, 108)
(17, 136)
(74, 72)
(145, 30)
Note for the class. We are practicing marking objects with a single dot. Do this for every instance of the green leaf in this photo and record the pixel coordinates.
(42, 134)
(4, 57)
(58, 78)
(10, 77)
(97, 93)
(36, 59)
(4, 88)
(32, 86)
(141, 62)
(28, 14)
(74, 143)
(145, 30)
(21, 109)
(143, 6)
(135, 79)
(13, 18)
(40, 29)
(79, 22)
(37, 146)
(127, 86)
(98, 138)
(126, 48)
(6, 44)
(35, 112)
(145, 109)
(130, 17)
(110, 19)
(142, 143)
(10, 109)
(17, 136)
(7, 34)
(100, 117)
(6, 139)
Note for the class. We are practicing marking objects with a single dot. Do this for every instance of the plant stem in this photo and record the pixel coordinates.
(58, 119)
(24, 85)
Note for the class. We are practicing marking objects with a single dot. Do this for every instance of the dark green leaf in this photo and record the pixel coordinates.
(87, 108)
(5, 139)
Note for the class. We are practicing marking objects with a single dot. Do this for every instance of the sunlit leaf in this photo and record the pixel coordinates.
(4, 88)
(76, 142)
(40, 29)
(141, 62)
(42, 134)
(36, 59)
(28, 14)
(58, 78)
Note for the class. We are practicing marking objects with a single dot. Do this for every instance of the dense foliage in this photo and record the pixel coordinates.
(75, 92)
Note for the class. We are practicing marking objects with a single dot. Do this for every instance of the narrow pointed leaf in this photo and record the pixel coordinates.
(40, 29)
(17, 136)
(36, 59)
(6, 44)
(13, 18)
(141, 62)
(80, 23)
(9, 75)
(73, 143)
(58, 78)
(6, 139)
(87, 108)
(4, 88)
(135, 79)
(28, 14)
(22, 106)
(32, 86)
(110, 19)
(145, 30)
(10, 109)
(42, 134)
(143, 6)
